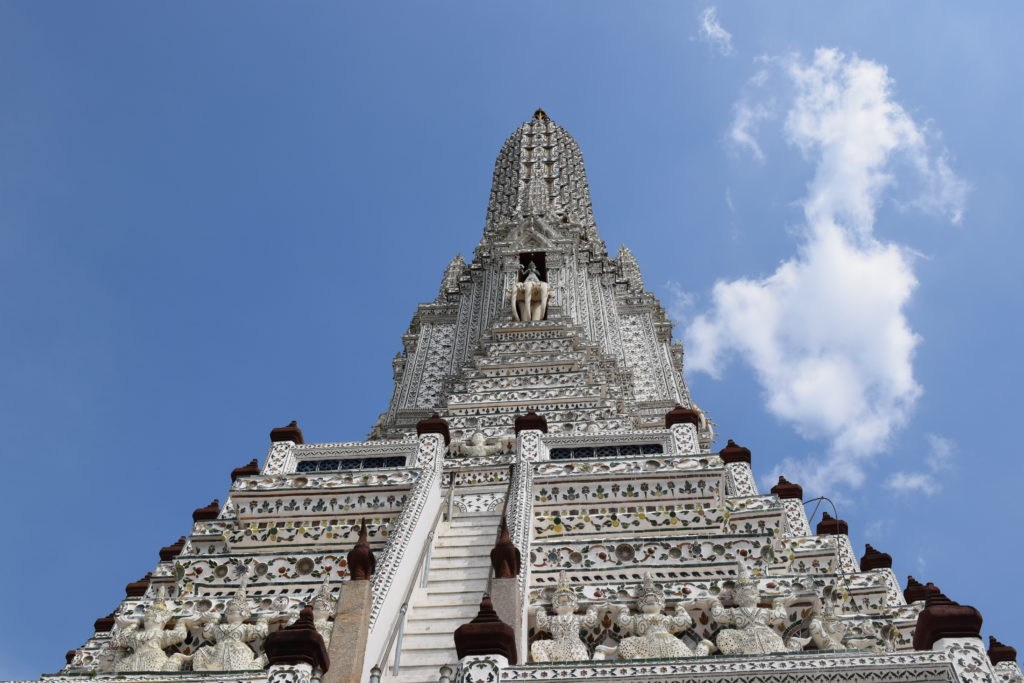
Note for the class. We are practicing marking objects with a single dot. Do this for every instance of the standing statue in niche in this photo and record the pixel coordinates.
(230, 651)
(530, 297)
(654, 630)
(564, 626)
(147, 644)
(754, 633)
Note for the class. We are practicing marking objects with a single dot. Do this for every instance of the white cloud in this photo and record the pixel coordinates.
(913, 482)
(680, 302)
(744, 127)
(938, 459)
(825, 333)
(940, 456)
(878, 529)
(713, 33)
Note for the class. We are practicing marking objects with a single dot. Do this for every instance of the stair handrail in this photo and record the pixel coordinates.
(422, 565)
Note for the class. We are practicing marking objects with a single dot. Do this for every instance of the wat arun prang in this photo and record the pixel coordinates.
(542, 499)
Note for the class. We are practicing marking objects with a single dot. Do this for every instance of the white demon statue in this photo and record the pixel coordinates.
(564, 626)
(653, 631)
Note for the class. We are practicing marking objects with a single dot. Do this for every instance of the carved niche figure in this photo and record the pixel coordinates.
(829, 633)
(654, 630)
(564, 626)
(477, 446)
(230, 651)
(825, 628)
(324, 606)
(530, 297)
(147, 644)
(754, 633)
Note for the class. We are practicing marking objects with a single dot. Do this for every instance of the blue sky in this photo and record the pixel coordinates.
(219, 217)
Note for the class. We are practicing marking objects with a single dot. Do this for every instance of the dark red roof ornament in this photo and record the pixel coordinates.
(734, 453)
(207, 513)
(246, 470)
(435, 424)
(531, 421)
(916, 590)
(786, 489)
(943, 618)
(505, 556)
(291, 432)
(486, 635)
(997, 652)
(681, 415)
(104, 624)
(169, 552)
(299, 643)
(361, 562)
(136, 589)
(874, 559)
(829, 525)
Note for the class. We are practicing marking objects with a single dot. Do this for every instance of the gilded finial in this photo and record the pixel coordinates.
(540, 115)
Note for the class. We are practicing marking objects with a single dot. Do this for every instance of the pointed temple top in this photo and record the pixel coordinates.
(539, 171)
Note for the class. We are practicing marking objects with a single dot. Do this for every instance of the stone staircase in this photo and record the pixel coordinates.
(459, 568)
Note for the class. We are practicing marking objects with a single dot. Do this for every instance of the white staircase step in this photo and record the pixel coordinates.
(418, 659)
(470, 519)
(449, 610)
(456, 587)
(458, 574)
(426, 641)
(472, 561)
(487, 532)
(478, 540)
(468, 550)
(445, 626)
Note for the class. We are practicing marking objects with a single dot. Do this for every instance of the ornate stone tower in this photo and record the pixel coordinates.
(540, 501)
(600, 357)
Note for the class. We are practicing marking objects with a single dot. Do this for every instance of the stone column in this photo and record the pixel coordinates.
(296, 653)
(969, 659)
(1004, 661)
(280, 458)
(683, 423)
(737, 462)
(290, 673)
(481, 668)
(880, 562)
(347, 648)
(484, 646)
(792, 497)
(955, 629)
(840, 530)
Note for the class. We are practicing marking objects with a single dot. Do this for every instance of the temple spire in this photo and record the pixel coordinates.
(539, 171)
